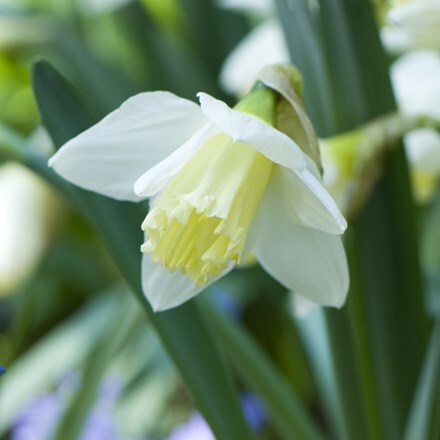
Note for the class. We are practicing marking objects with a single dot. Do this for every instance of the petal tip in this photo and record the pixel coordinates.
(201, 96)
(339, 302)
(343, 225)
(138, 188)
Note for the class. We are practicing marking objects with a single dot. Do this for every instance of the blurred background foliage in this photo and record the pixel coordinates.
(83, 362)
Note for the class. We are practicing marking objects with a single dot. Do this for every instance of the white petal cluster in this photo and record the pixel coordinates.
(416, 82)
(137, 150)
(413, 24)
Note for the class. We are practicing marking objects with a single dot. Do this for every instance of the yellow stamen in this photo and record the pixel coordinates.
(200, 223)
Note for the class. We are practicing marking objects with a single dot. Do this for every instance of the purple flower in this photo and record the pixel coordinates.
(42, 416)
(254, 411)
(227, 303)
(39, 419)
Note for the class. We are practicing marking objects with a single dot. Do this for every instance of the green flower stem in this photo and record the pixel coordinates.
(370, 144)
(260, 102)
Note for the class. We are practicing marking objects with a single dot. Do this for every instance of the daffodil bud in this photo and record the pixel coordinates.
(353, 160)
(26, 228)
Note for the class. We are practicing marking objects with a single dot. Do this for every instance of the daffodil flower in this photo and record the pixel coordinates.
(412, 24)
(223, 182)
(416, 82)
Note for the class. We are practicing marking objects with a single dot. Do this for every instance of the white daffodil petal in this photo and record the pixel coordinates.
(166, 290)
(307, 202)
(156, 178)
(109, 157)
(305, 260)
(416, 83)
(423, 150)
(249, 129)
(413, 25)
(163, 289)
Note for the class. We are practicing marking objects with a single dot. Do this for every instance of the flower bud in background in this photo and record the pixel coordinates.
(416, 81)
(265, 44)
(26, 220)
(353, 160)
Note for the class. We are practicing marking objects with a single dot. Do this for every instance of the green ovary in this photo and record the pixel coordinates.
(200, 223)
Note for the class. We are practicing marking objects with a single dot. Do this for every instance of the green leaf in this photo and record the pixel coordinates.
(105, 349)
(383, 326)
(424, 418)
(32, 374)
(205, 24)
(184, 331)
(12, 145)
(173, 64)
(284, 406)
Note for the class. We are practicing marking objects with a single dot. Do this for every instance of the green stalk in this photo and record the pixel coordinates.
(383, 325)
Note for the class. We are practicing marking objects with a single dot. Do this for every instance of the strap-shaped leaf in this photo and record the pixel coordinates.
(183, 331)
(337, 48)
(424, 420)
(285, 408)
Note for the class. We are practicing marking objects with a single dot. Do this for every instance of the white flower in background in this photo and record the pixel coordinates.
(416, 82)
(24, 224)
(225, 183)
(263, 45)
(413, 24)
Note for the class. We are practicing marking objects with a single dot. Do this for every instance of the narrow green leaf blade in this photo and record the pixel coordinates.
(424, 419)
(184, 331)
(383, 325)
(285, 408)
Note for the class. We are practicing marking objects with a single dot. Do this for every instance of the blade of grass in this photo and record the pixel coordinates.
(424, 418)
(32, 374)
(73, 421)
(254, 367)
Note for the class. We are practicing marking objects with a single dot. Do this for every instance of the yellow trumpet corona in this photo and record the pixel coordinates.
(200, 223)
